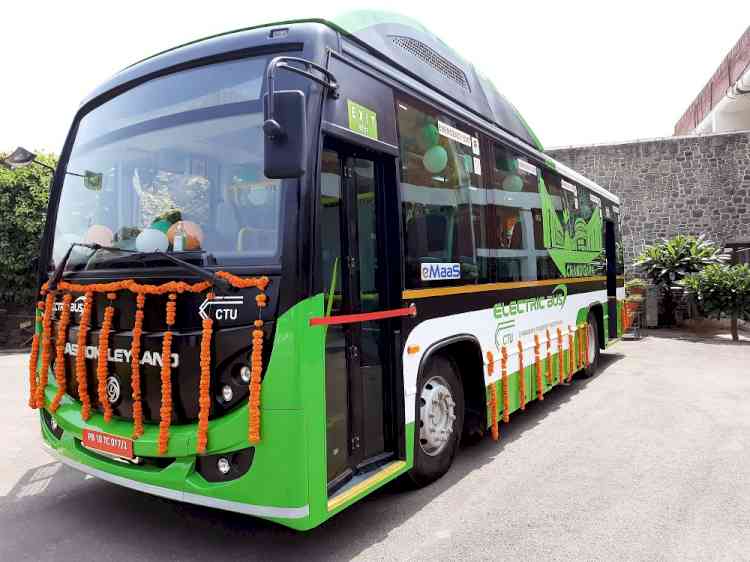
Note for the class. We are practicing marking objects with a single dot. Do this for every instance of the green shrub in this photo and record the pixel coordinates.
(722, 290)
(668, 262)
(24, 193)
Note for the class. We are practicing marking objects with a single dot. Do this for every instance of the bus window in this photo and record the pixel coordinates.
(570, 244)
(440, 178)
(510, 197)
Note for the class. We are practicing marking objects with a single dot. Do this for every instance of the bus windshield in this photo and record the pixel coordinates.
(174, 164)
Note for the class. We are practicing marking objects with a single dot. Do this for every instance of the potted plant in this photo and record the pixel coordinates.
(668, 262)
(635, 286)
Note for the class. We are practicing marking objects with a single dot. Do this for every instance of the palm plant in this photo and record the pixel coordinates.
(669, 261)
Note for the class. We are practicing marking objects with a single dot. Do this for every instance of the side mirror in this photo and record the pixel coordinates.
(285, 132)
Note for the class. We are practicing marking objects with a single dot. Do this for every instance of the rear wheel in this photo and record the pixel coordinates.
(439, 420)
(593, 344)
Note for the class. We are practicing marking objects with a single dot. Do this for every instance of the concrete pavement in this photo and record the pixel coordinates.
(649, 460)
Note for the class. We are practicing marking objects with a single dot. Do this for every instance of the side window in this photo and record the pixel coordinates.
(551, 223)
(569, 228)
(511, 197)
(440, 177)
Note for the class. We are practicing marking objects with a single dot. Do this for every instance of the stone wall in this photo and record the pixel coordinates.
(678, 185)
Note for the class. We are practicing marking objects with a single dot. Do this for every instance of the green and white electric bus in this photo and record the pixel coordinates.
(288, 264)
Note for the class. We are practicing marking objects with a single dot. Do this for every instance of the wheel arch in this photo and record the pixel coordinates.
(466, 353)
(598, 311)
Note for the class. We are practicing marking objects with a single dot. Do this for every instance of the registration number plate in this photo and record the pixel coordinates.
(108, 444)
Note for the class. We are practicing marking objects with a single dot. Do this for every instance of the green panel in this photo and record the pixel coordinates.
(362, 120)
(288, 468)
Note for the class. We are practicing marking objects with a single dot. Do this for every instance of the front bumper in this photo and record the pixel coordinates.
(275, 487)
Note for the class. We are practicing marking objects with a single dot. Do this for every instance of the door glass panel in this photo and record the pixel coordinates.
(371, 342)
(364, 176)
(337, 389)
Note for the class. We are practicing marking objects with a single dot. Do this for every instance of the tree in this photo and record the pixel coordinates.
(722, 290)
(24, 194)
(669, 261)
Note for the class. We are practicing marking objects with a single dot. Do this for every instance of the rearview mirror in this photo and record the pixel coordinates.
(285, 133)
(92, 180)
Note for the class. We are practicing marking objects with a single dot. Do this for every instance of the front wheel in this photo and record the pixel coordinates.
(593, 346)
(439, 420)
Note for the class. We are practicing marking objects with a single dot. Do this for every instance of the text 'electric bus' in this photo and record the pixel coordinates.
(291, 263)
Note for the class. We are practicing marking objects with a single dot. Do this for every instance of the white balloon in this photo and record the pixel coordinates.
(150, 240)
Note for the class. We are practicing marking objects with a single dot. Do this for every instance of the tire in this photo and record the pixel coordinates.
(593, 327)
(432, 458)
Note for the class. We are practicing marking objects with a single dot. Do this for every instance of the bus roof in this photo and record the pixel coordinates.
(407, 43)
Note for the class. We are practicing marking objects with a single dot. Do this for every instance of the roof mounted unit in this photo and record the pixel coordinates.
(433, 59)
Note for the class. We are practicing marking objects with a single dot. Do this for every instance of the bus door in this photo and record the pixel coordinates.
(610, 247)
(355, 271)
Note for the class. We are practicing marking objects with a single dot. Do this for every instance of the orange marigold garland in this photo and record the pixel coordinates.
(580, 347)
(135, 366)
(49, 306)
(34, 358)
(81, 375)
(506, 384)
(550, 378)
(60, 341)
(493, 398)
(571, 346)
(560, 356)
(165, 413)
(204, 399)
(101, 364)
(586, 344)
(538, 363)
(256, 368)
(521, 377)
(172, 288)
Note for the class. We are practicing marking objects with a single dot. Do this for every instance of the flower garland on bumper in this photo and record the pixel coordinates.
(42, 345)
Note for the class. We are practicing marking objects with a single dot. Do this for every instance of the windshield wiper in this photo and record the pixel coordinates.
(202, 272)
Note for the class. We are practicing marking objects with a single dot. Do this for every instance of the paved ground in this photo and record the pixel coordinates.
(650, 460)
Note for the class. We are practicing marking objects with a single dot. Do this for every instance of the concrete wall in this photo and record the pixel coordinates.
(678, 185)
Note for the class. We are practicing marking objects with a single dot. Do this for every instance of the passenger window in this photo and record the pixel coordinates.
(510, 197)
(440, 179)
(568, 230)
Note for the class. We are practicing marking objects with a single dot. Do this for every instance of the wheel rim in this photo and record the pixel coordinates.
(592, 342)
(437, 416)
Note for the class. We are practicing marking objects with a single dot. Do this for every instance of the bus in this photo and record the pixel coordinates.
(285, 265)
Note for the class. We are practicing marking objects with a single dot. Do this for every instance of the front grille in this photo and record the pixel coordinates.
(230, 349)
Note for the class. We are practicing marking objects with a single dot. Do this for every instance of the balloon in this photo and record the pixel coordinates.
(513, 183)
(161, 224)
(193, 234)
(98, 234)
(435, 159)
(429, 135)
(506, 163)
(150, 240)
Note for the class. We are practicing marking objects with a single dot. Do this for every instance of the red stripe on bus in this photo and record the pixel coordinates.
(363, 317)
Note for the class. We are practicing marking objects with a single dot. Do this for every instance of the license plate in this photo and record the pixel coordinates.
(108, 444)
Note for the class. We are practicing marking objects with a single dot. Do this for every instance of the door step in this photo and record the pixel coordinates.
(364, 482)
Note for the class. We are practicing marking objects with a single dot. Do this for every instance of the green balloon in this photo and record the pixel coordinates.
(435, 159)
(513, 183)
(506, 163)
(162, 224)
(429, 135)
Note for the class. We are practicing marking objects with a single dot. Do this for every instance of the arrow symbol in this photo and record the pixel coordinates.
(223, 301)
